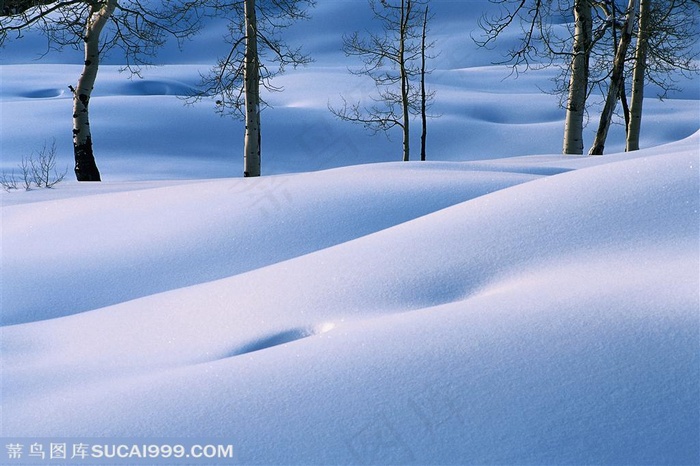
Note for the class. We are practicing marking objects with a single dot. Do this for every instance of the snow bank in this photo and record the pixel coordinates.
(552, 321)
(488, 306)
(115, 247)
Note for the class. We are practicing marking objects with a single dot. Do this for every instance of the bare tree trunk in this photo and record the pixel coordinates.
(85, 166)
(640, 64)
(578, 84)
(616, 82)
(622, 91)
(251, 90)
(423, 94)
(405, 98)
(625, 106)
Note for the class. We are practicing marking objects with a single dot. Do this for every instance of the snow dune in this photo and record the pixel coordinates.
(532, 310)
(484, 307)
(143, 241)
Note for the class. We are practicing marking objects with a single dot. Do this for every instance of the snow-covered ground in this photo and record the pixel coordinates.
(496, 304)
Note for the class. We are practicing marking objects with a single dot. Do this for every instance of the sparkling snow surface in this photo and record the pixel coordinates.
(496, 304)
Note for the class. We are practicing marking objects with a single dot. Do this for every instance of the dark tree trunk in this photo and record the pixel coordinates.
(424, 97)
(405, 100)
(85, 166)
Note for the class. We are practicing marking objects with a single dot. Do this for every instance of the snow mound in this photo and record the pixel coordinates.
(548, 320)
(473, 309)
(213, 234)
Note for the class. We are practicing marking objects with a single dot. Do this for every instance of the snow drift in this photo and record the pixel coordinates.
(479, 308)
(549, 319)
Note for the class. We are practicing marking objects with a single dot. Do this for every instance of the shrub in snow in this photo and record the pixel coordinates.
(40, 171)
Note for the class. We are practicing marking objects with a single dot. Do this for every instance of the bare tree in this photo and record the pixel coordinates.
(424, 94)
(666, 48)
(251, 91)
(617, 80)
(44, 172)
(588, 57)
(578, 83)
(666, 36)
(257, 54)
(136, 28)
(640, 58)
(8, 181)
(539, 47)
(393, 58)
(85, 166)
(40, 170)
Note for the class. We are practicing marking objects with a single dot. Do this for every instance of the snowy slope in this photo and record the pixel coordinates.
(208, 231)
(496, 304)
(554, 321)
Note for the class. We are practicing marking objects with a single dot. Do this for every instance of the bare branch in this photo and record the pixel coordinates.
(394, 59)
(225, 79)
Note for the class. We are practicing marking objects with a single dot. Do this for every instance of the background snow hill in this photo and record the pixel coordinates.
(496, 304)
(485, 111)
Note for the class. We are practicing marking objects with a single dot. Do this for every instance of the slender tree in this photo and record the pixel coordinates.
(256, 55)
(405, 15)
(640, 59)
(136, 28)
(666, 49)
(393, 58)
(578, 84)
(423, 89)
(540, 46)
(251, 91)
(585, 56)
(85, 166)
(617, 80)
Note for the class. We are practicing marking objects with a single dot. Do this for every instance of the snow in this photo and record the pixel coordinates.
(496, 304)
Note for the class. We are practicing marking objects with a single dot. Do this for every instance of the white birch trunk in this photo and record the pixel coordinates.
(251, 90)
(640, 64)
(85, 166)
(578, 84)
(616, 82)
